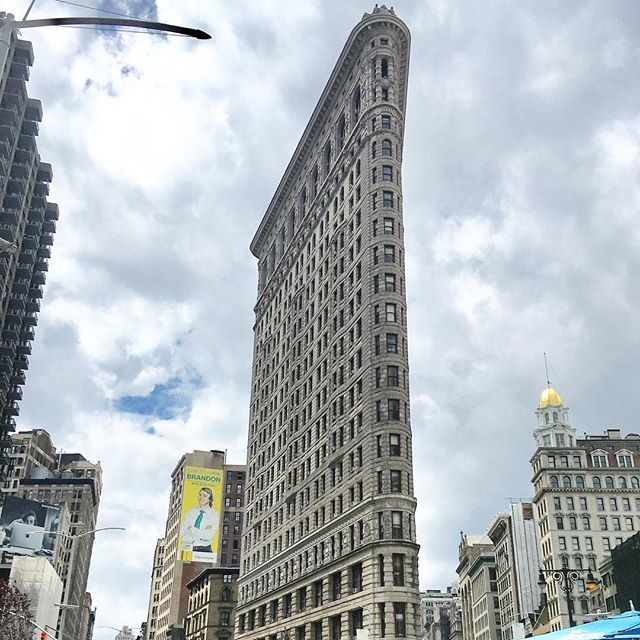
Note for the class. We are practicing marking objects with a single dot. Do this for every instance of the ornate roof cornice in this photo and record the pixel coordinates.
(381, 16)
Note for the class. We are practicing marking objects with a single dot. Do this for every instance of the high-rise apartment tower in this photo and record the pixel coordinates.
(27, 224)
(329, 546)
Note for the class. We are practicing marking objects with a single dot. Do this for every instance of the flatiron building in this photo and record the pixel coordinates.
(329, 546)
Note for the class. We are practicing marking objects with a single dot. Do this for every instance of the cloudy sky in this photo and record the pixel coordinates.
(521, 184)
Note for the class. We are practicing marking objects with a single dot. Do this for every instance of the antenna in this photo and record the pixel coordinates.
(546, 369)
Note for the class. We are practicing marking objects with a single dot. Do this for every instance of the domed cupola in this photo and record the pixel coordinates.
(553, 428)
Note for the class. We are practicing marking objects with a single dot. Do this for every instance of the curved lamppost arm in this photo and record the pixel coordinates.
(113, 22)
(35, 624)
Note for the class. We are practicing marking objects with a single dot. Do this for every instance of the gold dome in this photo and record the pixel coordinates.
(550, 398)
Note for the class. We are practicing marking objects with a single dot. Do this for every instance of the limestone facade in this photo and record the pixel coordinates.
(329, 547)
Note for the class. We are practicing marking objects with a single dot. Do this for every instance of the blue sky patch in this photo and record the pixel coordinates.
(165, 401)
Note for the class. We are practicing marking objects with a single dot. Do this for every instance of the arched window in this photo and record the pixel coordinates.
(608, 482)
(635, 483)
(580, 482)
(547, 419)
(597, 483)
(553, 481)
(225, 594)
(622, 483)
(387, 149)
(566, 482)
(384, 67)
(555, 416)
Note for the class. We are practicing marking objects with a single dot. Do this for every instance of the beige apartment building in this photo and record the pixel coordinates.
(587, 500)
(329, 546)
(177, 561)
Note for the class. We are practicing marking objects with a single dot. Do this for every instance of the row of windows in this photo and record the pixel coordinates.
(583, 503)
(596, 482)
(603, 522)
(600, 460)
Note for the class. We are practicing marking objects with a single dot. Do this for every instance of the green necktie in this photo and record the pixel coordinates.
(198, 521)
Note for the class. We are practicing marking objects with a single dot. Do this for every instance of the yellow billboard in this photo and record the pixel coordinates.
(200, 516)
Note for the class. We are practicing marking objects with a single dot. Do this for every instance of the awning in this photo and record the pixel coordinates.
(625, 626)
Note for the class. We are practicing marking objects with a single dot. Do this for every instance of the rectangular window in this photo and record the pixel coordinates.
(356, 577)
(386, 121)
(393, 409)
(390, 312)
(389, 253)
(387, 172)
(397, 562)
(399, 616)
(393, 376)
(388, 199)
(317, 593)
(395, 481)
(394, 444)
(562, 541)
(589, 544)
(389, 282)
(379, 474)
(396, 525)
(391, 340)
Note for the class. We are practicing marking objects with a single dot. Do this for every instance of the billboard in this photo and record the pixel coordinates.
(200, 515)
(27, 527)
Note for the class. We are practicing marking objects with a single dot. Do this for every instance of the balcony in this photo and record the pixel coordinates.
(9, 216)
(10, 332)
(36, 218)
(28, 143)
(29, 242)
(17, 377)
(46, 240)
(27, 257)
(33, 306)
(13, 201)
(20, 286)
(7, 348)
(38, 278)
(23, 348)
(35, 292)
(49, 226)
(41, 189)
(5, 364)
(41, 265)
(21, 363)
(33, 110)
(44, 252)
(20, 170)
(17, 303)
(30, 128)
(30, 320)
(53, 212)
(14, 394)
(14, 316)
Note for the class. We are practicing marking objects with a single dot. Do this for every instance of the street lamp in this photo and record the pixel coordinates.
(35, 624)
(67, 590)
(567, 578)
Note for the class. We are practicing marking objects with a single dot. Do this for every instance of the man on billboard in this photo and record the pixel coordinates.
(199, 524)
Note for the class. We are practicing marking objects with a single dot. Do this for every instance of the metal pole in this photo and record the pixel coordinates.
(114, 22)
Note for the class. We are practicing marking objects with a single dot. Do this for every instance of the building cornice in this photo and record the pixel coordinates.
(354, 45)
